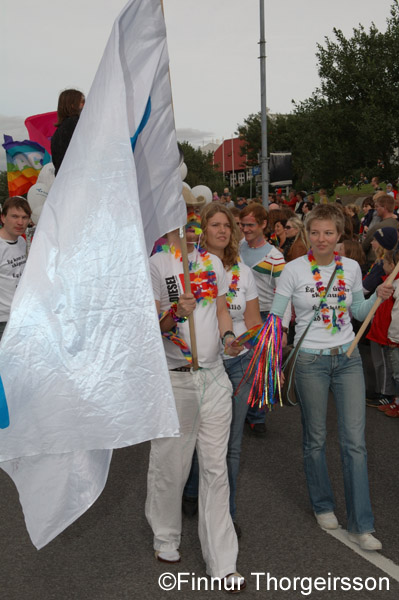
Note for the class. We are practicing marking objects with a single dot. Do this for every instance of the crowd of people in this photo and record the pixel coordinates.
(319, 268)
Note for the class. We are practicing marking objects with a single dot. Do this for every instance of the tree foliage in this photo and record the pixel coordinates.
(200, 169)
(4, 193)
(351, 121)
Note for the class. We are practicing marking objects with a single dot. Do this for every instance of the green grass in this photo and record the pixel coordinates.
(342, 191)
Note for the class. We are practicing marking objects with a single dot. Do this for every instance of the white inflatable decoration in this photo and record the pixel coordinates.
(36, 212)
(183, 171)
(47, 175)
(38, 193)
(202, 190)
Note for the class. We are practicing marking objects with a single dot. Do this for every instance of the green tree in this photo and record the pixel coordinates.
(351, 121)
(200, 168)
(4, 194)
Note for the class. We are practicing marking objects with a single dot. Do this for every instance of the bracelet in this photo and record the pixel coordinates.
(285, 329)
(226, 334)
(172, 311)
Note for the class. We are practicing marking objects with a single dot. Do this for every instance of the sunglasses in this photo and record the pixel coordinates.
(288, 227)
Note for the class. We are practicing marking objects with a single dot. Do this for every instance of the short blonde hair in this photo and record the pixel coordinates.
(326, 212)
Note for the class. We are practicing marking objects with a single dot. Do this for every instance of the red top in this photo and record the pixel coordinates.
(381, 322)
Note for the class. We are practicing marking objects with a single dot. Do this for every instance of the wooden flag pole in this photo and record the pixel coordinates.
(367, 320)
(186, 271)
(187, 287)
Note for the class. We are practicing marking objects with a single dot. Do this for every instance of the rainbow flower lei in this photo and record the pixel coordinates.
(337, 320)
(202, 276)
(232, 292)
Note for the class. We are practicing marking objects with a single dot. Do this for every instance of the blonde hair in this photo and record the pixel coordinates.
(230, 255)
(326, 212)
(299, 225)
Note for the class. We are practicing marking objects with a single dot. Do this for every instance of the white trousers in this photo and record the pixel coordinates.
(203, 403)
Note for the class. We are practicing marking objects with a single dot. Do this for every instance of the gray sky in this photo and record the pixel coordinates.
(50, 45)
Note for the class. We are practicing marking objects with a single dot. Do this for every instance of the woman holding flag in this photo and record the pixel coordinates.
(203, 403)
(323, 365)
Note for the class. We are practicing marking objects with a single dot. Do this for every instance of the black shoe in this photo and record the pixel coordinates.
(258, 429)
(238, 529)
(189, 506)
(383, 401)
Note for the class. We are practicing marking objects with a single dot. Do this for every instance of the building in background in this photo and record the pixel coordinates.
(228, 160)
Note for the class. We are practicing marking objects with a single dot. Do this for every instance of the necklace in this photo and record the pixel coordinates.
(235, 269)
(202, 276)
(337, 320)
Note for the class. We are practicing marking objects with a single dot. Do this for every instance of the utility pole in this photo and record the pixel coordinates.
(263, 156)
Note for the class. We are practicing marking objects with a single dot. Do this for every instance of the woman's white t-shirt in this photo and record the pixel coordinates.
(246, 291)
(297, 282)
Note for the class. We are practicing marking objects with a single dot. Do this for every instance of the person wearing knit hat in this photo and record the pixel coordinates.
(387, 237)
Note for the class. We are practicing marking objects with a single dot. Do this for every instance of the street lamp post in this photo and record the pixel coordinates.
(263, 157)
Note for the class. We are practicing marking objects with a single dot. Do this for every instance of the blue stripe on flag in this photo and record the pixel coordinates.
(143, 123)
(4, 416)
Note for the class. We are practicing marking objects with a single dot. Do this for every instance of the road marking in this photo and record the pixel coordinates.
(375, 558)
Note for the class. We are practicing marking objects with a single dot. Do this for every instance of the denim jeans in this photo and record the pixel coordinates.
(315, 375)
(235, 368)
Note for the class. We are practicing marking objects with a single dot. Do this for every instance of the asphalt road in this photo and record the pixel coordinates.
(107, 554)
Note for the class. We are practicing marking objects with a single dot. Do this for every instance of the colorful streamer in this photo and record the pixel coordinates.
(266, 365)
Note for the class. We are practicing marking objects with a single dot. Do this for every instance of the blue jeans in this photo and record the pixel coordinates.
(315, 375)
(235, 368)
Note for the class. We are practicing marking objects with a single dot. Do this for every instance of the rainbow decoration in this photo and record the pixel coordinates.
(24, 163)
(235, 278)
(269, 268)
(249, 338)
(194, 221)
(173, 336)
(337, 320)
(265, 364)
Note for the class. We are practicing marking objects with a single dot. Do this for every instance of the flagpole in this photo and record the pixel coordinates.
(187, 287)
(367, 320)
(187, 282)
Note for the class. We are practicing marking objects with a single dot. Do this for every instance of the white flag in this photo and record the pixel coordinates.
(82, 360)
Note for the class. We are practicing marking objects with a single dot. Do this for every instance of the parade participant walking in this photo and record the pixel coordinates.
(15, 217)
(220, 237)
(203, 403)
(323, 365)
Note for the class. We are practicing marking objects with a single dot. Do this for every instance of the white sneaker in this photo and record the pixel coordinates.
(365, 540)
(327, 520)
(168, 556)
(234, 583)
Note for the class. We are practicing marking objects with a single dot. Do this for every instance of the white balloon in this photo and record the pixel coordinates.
(37, 195)
(183, 170)
(47, 175)
(186, 185)
(202, 190)
(36, 212)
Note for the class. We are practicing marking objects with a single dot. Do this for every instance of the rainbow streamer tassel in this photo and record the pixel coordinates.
(265, 365)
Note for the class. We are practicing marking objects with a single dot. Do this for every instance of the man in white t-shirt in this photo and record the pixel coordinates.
(203, 403)
(15, 217)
